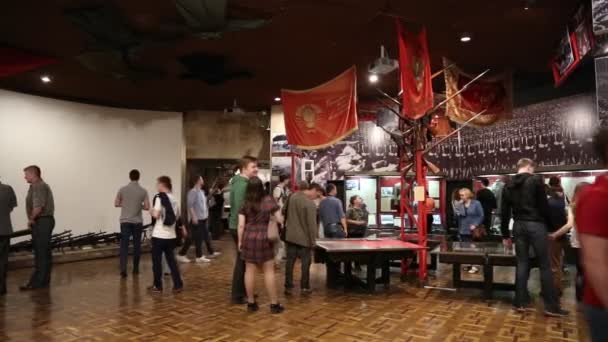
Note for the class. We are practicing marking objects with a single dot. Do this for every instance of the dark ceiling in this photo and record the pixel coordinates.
(306, 43)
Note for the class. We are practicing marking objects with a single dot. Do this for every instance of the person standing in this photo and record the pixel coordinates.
(165, 212)
(257, 212)
(216, 209)
(470, 217)
(280, 196)
(486, 197)
(356, 218)
(131, 199)
(497, 189)
(198, 231)
(300, 234)
(525, 199)
(8, 202)
(570, 226)
(592, 223)
(331, 213)
(40, 208)
(559, 218)
(248, 168)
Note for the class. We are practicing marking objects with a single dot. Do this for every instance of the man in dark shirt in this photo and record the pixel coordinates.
(486, 197)
(525, 199)
(40, 208)
(8, 201)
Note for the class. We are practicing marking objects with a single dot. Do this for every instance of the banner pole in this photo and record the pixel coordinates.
(465, 124)
(433, 75)
(466, 86)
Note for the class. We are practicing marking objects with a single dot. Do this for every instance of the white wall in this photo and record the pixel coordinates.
(85, 153)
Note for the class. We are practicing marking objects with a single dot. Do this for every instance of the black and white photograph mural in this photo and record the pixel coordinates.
(601, 85)
(555, 133)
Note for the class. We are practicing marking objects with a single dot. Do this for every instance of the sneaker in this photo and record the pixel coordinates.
(473, 270)
(276, 308)
(252, 307)
(178, 290)
(557, 313)
(306, 292)
(523, 308)
(155, 289)
(182, 258)
(202, 259)
(216, 254)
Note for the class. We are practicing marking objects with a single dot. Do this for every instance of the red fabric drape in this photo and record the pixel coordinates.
(415, 68)
(14, 61)
(323, 115)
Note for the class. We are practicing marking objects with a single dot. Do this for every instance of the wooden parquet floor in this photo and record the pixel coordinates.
(89, 302)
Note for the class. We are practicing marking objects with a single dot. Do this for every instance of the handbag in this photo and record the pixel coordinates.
(479, 233)
(273, 230)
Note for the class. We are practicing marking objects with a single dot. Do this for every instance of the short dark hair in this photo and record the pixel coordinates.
(34, 169)
(484, 181)
(316, 187)
(283, 178)
(303, 185)
(194, 178)
(524, 162)
(352, 199)
(555, 181)
(246, 160)
(600, 144)
(329, 188)
(134, 175)
(166, 181)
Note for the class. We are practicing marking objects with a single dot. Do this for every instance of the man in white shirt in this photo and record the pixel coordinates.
(280, 196)
(198, 214)
(165, 211)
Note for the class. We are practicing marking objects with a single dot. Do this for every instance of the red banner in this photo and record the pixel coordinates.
(321, 116)
(415, 68)
(492, 93)
(14, 61)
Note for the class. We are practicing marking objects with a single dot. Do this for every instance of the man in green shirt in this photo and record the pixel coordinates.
(238, 185)
(40, 208)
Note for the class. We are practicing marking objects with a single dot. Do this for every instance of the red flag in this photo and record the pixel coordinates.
(321, 116)
(415, 67)
(492, 93)
(14, 61)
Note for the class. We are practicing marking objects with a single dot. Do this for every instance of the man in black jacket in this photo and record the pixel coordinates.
(525, 199)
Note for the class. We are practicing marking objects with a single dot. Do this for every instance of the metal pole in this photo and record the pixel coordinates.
(434, 75)
(455, 131)
(388, 96)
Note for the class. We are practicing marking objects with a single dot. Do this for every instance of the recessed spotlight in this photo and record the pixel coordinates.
(45, 79)
(526, 8)
(373, 78)
(465, 37)
(277, 99)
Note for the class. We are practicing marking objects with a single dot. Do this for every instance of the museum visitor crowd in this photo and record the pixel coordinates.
(268, 226)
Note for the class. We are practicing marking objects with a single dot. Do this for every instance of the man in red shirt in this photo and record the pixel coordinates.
(592, 227)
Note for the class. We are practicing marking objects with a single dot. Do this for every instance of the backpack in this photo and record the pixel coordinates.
(169, 217)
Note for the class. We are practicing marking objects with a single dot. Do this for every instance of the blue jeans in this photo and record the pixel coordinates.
(334, 231)
(597, 319)
(128, 230)
(526, 234)
(166, 247)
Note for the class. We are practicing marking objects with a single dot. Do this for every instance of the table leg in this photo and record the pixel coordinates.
(386, 274)
(348, 274)
(371, 276)
(332, 269)
(433, 262)
(456, 275)
(488, 280)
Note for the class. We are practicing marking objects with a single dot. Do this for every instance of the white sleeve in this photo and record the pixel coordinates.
(157, 205)
(276, 193)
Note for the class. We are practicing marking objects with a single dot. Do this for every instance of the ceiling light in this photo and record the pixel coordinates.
(373, 78)
(277, 99)
(465, 37)
(45, 79)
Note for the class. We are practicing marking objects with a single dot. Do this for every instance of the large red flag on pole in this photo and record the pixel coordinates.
(415, 68)
(321, 116)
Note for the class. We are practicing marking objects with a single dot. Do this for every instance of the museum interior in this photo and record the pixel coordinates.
(347, 170)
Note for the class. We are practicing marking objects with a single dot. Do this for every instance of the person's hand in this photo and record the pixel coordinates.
(194, 221)
(552, 236)
(507, 243)
(31, 223)
(345, 233)
(240, 245)
(184, 232)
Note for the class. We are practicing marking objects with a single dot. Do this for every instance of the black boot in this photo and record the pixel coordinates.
(276, 308)
(252, 307)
